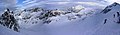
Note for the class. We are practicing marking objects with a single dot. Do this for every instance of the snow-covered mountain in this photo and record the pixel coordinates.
(8, 20)
(33, 16)
(76, 20)
(113, 10)
(108, 8)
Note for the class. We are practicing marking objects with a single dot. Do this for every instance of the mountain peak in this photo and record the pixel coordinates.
(109, 8)
(114, 4)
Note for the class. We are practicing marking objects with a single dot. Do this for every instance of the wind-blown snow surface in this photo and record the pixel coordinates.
(92, 24)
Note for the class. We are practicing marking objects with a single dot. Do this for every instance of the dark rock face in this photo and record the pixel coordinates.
(118, 16)
(7, 19)
(108, 8)
(105, 21)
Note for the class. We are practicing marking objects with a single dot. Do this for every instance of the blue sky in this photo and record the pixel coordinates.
(20, 1)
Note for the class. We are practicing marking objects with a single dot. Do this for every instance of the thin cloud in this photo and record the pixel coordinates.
(7, 4)
(31, 3)
(26, 1)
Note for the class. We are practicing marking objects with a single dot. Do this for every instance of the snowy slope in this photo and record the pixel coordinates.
(7, 31)
(93, 25)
